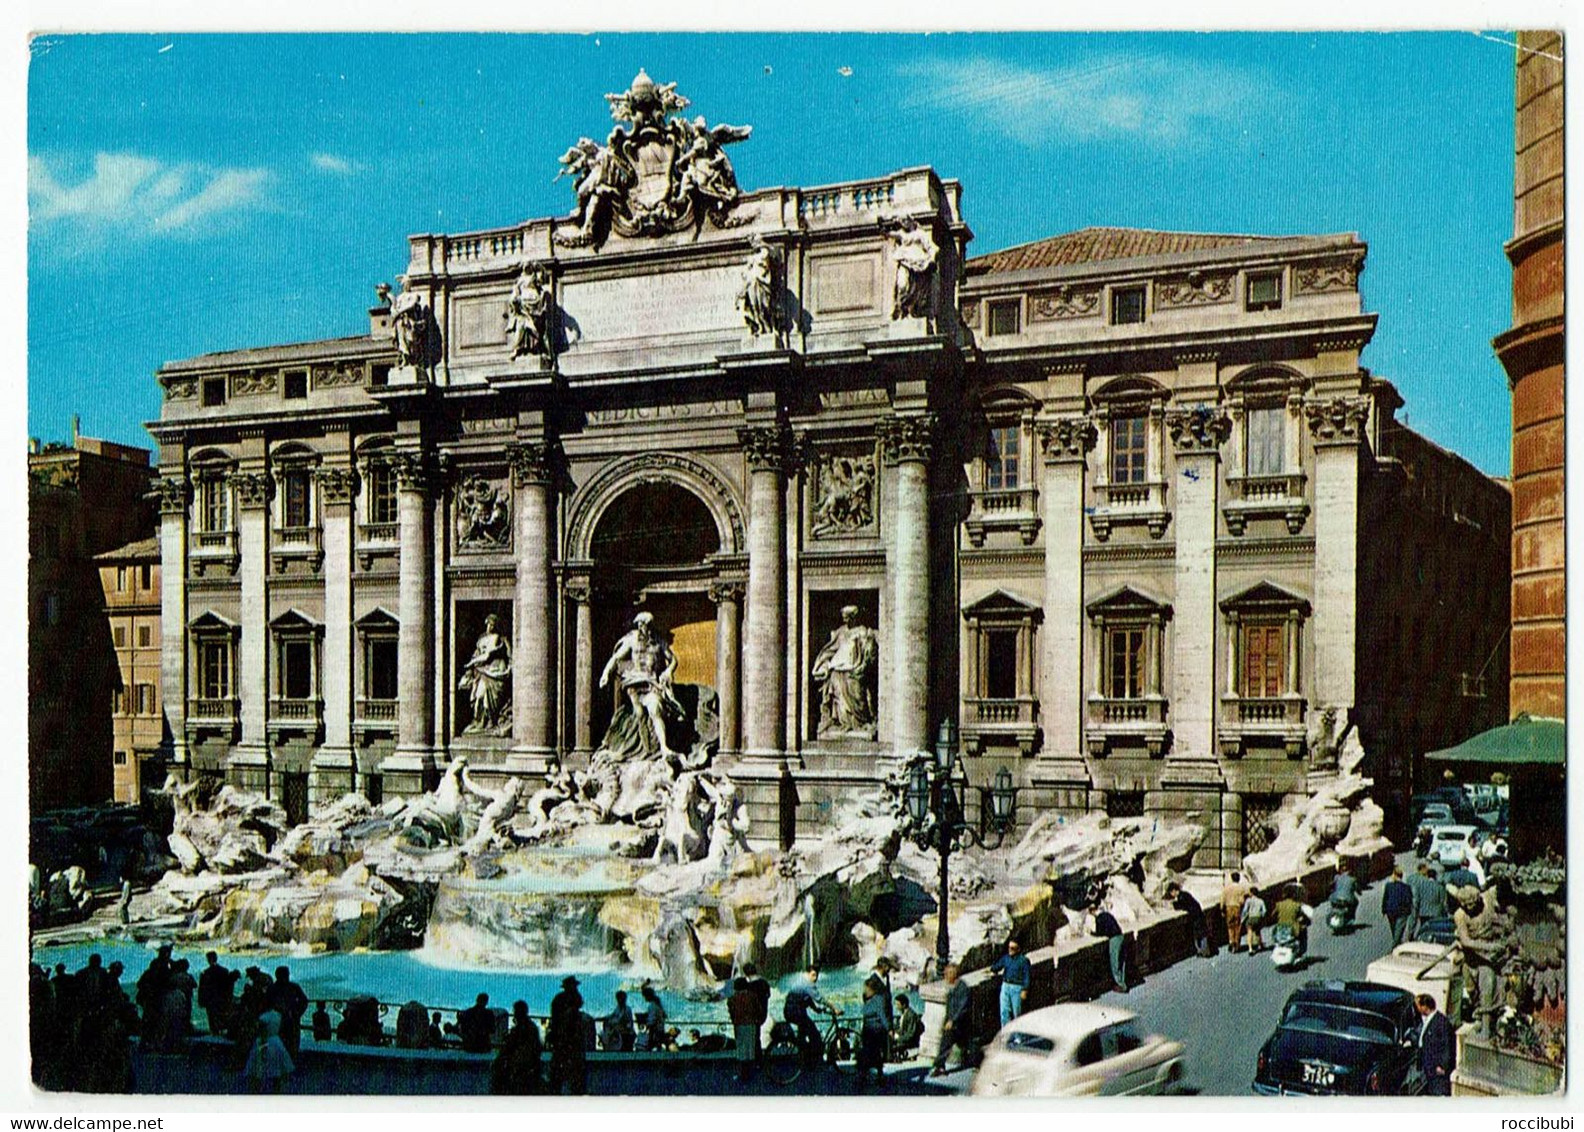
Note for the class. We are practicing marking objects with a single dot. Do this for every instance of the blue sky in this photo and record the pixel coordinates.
(195, 193)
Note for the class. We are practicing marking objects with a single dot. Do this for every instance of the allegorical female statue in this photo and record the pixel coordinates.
(486, 678)
(845, 668)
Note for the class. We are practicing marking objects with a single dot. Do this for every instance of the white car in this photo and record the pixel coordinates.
(1450, 844)
(1077, 1049)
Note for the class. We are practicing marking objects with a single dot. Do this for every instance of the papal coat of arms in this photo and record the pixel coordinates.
(660, 173)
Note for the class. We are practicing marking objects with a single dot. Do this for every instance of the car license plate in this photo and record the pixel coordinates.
(1317, 1073)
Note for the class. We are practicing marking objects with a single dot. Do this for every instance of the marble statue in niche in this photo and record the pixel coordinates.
(486, 678)
(845, 670)
(915, 253)
(528, 313)
(643, 663)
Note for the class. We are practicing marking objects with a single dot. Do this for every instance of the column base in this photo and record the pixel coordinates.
(1191, 774)
(331, 775)
(529, 760)
(247, 767)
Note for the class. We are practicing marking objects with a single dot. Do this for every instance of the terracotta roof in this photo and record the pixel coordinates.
(1095, 245)
(142, 548)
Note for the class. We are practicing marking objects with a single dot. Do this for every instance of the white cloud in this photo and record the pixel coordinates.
(1157, 98)
(332, 163)
(128, 194)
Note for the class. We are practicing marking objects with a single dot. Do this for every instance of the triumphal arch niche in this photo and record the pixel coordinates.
(681, 412)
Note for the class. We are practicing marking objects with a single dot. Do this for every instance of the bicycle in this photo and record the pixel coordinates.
(784, 1060)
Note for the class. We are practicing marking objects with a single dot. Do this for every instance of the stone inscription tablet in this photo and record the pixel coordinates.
(651, 306)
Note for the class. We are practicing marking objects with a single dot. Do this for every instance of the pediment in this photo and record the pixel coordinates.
(1003, 604)
(1128, 599)
(1266, 596)
(210, 621)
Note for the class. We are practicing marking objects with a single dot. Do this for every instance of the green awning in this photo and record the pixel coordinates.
(1525, 741)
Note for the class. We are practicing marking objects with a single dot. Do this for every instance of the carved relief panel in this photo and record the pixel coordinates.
(843, 496)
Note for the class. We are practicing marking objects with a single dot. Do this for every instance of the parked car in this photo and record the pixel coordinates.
(1433, 817)
(1435, 969)
(1450, 844)
(1440, 930)
(1077, 1049)
(1342, 1039)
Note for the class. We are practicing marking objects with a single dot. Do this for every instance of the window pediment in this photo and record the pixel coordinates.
(1266, 597)
(1128, 602)
(295, 621)
(1003, 606)
(1133, 391)
(377, 619)
(211, 622)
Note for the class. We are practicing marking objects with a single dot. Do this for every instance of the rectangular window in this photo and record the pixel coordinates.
(145, 636)
(120, 636)
(1125, 803)
(1267, 441)
(146, 576)
(1005, 318)
(1002, 468)
(294, 385)
(48, 541)
(296, 668)
(52, 609)
(382, 494)
(1128, 463)
(374, 789)
(214, 669)
(121, 579)
(214, 392)
(145, 699)
(120, 758)
(1127, 305)
(1124, 663)
(379, 668)
(214, 505)
(117, 701)
(379, 375)
(1264, 291)
(295, 499)
(1001, 664)
(1264, 661)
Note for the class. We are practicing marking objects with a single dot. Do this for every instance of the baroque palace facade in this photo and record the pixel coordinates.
(1120, 505)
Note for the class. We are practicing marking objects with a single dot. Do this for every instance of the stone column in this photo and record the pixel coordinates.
(907, 443)
(533, 656)
(727, 597)
(332, 763)
(1197, 435)
(415, 608)
(1067, 442)
(1338, 426)
(579, 593)
(251, 491)
(765, 654)
(174, 493)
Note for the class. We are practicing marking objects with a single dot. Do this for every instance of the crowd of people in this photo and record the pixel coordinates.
(84, 1025)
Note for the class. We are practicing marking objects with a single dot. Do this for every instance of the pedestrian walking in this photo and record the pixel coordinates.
(1015, 972)
(568, 1053)
(653, 1019)
(760, 990)
(1397, 904)
(215, 998)
(1233, 896)
(1252, 916)
(290, 1001)
(476, 1026)
(1437, 1048)
(907, 1030)
(956, 1029)
(1430, 897)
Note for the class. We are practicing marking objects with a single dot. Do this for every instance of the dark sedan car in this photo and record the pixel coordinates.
(1342, 1039)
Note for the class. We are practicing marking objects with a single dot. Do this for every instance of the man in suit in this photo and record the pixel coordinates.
(1397, 903)
(1437, 1048)
(1430, 897)
(955, 1030)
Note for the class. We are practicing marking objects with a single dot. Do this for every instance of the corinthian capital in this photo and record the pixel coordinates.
(532, 461)
(910, 438)
(337, 485)
(172, 494)
(769, 448)
(252, 489)
(1203, 429)
(1338, 420)
(1066, 438)
(413, 472)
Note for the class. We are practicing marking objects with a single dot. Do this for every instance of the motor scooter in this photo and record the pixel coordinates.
(1340, 919)
(1288, 947)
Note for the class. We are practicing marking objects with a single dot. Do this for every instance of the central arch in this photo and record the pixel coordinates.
(590, 503)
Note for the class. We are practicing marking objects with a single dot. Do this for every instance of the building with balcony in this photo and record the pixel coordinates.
(1120, 504)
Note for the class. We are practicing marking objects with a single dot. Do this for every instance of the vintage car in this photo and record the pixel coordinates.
(1342, 1039)
(1077, 1049)
(1435, 969)
(1450, 844)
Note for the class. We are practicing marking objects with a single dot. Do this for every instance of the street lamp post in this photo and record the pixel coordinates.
(935, 792)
